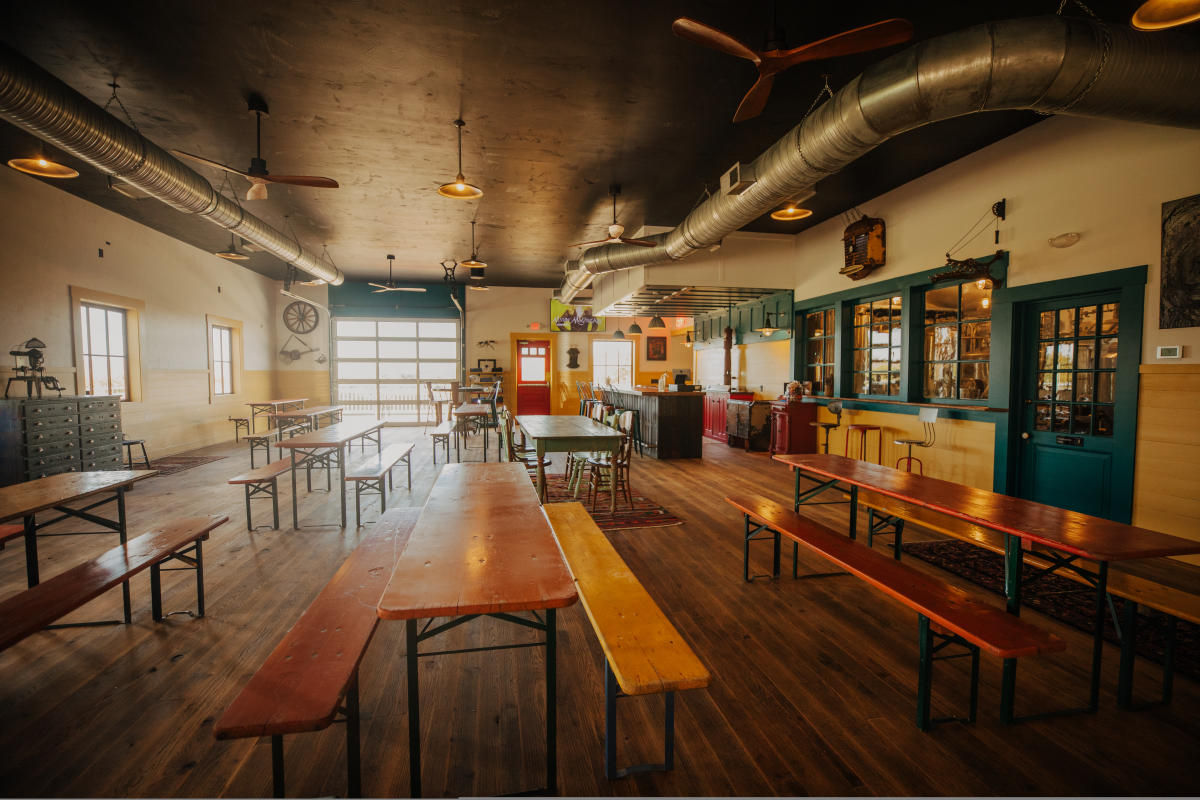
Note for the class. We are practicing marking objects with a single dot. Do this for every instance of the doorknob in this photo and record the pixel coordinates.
(1024, 435)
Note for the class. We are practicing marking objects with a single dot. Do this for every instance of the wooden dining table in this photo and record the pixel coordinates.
(481, 547)
(319, 446)
(266, 407)
(313, 415)
(568, 433)
(463, 414)
(1067, 535)
(26, 500)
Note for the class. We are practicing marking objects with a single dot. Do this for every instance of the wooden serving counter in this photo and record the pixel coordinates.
(669, 422)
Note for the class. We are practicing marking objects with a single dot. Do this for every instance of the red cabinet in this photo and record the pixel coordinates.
(790, 428)
(715, 409)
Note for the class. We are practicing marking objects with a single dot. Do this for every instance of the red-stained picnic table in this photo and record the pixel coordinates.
(482, 547)
(1070, 535)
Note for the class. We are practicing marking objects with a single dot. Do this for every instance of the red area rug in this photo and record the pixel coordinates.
(169, 465)
(643, 514)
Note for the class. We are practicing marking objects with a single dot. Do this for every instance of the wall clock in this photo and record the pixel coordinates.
(300, 317)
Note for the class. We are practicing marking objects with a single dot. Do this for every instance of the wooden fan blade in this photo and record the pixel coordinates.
(209, 162)
(639, 242)
(707, 36)
(586, 244)
(302, 180)
(755, 100)
(858, 40)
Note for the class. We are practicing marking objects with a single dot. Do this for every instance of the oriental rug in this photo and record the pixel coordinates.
(642, 514)
(1061, 599)
(169, 465)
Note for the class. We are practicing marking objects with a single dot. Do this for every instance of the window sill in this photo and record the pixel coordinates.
(905, 403)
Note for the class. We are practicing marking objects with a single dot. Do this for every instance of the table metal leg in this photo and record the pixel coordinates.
(122, 534)
(1098, 640)
(295, 525)
(1129, 619)
(1012, 572)
(341, 479)
(31, 554)
(853, 512)
(551, 703)
(414, 710)
(540, 450)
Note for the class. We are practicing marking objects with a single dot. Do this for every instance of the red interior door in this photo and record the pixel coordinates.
(533, 376)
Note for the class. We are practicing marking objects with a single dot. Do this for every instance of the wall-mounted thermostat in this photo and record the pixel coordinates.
(1170, 351)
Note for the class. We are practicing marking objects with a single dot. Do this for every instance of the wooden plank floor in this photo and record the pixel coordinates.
(813, 688)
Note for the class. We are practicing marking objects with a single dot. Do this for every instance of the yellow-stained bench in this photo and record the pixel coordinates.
(644, 653)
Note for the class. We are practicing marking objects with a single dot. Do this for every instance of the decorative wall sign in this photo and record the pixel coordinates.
(656, 348)
(572, 358)
(579, 319)
(487, 364)
(1179, 294)
(863, 242)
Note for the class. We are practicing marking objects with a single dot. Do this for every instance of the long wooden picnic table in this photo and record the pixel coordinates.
(481, 547)
(565, 433)
(1070, 535)
(266, 407)
(319, 445)
(313, 415)
(25, 500)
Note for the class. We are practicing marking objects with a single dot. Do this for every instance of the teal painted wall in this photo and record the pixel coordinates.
(358, 299)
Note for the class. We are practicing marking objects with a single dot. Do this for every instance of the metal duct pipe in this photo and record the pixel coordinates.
(1052, 64)
(36, 101)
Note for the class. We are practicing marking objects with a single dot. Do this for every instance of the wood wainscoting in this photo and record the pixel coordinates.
(311, 383)
(175, 415)
(1166, 483)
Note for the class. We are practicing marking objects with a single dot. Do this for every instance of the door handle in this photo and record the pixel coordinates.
(1024, 435)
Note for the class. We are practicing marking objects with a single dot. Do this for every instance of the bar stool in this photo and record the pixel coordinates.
(862, 431)
(928, 417)
(834, 407)
(129, 443)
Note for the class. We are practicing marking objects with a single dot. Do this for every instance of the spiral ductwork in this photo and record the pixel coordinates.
(36, 101)
(1050, 64)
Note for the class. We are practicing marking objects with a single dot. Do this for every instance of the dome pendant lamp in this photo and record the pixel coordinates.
(657, 322)
(618, 333)
(635, 329)
(1155, 15)
(473, 262)
(42, 167)
(232, 254)
(458, 188)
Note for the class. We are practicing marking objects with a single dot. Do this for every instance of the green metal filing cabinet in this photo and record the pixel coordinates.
(42, 436)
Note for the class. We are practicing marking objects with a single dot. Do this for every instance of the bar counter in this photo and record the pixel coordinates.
(669, 422)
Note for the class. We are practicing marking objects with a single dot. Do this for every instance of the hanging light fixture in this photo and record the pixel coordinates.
(42, 167)
(767, 327)
(790, 213)
(618, 333)
(657, 322)
(458, 188)
(478, 286)
(687, 341)
(635, 329)
(1155, 15)
(232, 254)
(473, 262)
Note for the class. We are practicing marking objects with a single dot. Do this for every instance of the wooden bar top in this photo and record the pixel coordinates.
(482, 545)
(546, 426)
(1069, 531)
(333, 435)
(30, 497)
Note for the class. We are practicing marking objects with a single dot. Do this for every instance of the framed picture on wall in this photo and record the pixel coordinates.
(656, 348)
(487, 365)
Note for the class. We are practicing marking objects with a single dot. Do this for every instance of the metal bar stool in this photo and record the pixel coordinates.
(835, 408)
(129, 443)
(928, 417)
(862, 431)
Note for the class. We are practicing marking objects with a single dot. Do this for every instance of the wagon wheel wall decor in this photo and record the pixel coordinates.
(300, 317)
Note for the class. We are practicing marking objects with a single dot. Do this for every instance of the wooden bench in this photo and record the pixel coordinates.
(643, 652)
(312, 674)
(239, 424)
(368, 473)
(263, 482)
(442, 434)
(969, 622)
(262, 440)
(40, 605)
(9, 531)
(1167, 585)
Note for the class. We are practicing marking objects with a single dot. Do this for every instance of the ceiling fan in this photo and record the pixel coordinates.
(257, 174)
(615, 230)
(390, 286)
(775, 56)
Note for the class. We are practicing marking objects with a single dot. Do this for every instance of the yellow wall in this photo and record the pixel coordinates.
(313, 384)
(760, 367)
(1166, 487)
(175, 415)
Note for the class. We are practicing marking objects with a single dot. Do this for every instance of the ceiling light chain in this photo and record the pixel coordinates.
(113, 97)
(1079, 3)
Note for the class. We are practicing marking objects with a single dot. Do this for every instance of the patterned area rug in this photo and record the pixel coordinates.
(643, 514)
(172, 464)
(1059, 598)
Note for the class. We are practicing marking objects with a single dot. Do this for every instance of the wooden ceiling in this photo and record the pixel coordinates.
(560, 98)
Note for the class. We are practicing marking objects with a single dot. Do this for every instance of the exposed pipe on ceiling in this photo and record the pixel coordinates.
(1052, 64)
(36, 101)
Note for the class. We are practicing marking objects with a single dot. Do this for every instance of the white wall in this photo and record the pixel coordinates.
(496, 313)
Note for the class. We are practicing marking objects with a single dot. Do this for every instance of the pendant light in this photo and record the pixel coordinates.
(232, 254)
(767, 328)
(1155, 15)
(475, 266)
(687, 341)
(635, 329)
(657, 322)
(478, 286)
(790, 213)
(618, 333)
(42, 167)
(458, 188)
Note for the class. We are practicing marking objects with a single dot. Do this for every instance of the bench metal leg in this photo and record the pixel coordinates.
(353, 757)
(928, 654)
(275, 501)
(123, 536)
(408, 463)
(195, 563)
(155, 594)
(414, 709)
(612, 692)
(249, 523)
(277, 765)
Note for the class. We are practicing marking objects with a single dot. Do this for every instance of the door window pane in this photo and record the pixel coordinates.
(397, 330)
(438, 349)
(1077, 369)
(391, 349)
(355, 349)
(355, 327)
(438, 330)
(356, 370)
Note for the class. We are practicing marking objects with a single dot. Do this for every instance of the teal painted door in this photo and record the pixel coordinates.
(1079, 406)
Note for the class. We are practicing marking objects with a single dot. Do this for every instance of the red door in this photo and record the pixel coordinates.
(533, 376)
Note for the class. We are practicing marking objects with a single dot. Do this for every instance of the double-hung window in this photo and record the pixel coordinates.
(819, 353)
(104, 350)
(876, 347)
(222, 359)
(958, 340)
(612, 362)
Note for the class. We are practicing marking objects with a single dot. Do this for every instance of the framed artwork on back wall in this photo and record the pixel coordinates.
(656, 348)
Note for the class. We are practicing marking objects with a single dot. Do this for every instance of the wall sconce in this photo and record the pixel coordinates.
(1064, 240)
